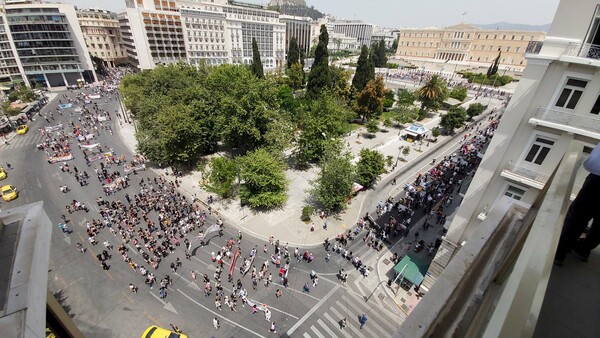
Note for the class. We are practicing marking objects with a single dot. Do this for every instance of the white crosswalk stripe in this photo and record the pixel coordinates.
(379, 324)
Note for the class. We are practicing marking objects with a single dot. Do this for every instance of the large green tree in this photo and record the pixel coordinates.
(378, 52)
(222, 175)
(334, 183)
(293, 56)
(406, 98)
(455, 118)
(319, 78)
(365, 71)
(341, 84)
(370, 166)
(263, 181)
(295, 75)
(257, 66)
(322, 123)
(432, 94)
(369, 102)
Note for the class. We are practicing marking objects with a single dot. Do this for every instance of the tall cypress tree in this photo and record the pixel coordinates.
(364, 70)
(380, 59)
(293, 52)
(257, 67)
(319, 77)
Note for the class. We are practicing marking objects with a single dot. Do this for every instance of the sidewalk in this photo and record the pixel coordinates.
(285, 224)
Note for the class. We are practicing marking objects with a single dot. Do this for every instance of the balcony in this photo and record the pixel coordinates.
(584, 50)
(579, 124)
(524, 176)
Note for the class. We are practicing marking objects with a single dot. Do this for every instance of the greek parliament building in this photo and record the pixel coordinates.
(467, 43)
(494, 273)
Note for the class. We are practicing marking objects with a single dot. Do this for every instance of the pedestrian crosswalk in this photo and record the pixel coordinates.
(32, 138)
(380, 323)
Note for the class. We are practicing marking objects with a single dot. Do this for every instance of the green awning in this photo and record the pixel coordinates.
(409, 270)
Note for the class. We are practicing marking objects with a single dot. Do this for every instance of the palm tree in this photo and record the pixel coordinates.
(431, 94)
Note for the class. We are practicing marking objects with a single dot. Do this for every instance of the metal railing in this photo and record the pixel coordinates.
(534, 47)
(529, 174)
(584, 50)
(571, 119)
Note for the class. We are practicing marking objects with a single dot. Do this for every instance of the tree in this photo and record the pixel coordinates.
(379, 57)
(257, 67)
(388, 101)
(405, 151)
(369, 102)
(263, 181)
(435, 132)
(406, 115)
(372, 126)
(295, 75)
(493, 69)
(475, 109)
(455, 118)
(370, 166)
(394, 46)
(406, 97)
(340, 78)
(431, 95)
(293, 56)
(459, 93)
(98, 65)
(222, 175)
(334, 183)
(319, 78)
(364, 70)
(322, 122)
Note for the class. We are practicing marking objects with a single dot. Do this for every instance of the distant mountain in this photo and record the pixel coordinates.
(287, 7)
(515, 26)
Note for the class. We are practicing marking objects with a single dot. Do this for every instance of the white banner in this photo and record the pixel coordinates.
(90, 146)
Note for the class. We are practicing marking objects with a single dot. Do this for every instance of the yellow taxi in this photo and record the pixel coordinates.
(22, 129)
(2, 173)
(9, 192)
(158, 332)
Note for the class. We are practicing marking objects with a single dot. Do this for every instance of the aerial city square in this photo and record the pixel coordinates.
(291, 168)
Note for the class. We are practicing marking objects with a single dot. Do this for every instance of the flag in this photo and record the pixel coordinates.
(235, 256)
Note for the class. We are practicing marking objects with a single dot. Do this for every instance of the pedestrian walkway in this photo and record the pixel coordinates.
(32, 138)
(379, 323)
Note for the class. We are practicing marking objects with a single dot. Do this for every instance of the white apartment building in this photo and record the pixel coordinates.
(388, 35)
(205, 27)
(363, 32)
(47, 44)
(490, 276)
(152, 32)
(10, 70)
(210, 31)
(101, 33)
(300, 28)
(246, 22)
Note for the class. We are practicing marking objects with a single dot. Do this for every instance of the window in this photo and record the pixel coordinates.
(539, 150)
(571, 93)
(596, 108)
(514, 192)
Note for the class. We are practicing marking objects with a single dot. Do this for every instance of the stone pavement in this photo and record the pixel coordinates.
(285, 224)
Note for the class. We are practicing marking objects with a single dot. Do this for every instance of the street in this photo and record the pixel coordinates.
(100, 301)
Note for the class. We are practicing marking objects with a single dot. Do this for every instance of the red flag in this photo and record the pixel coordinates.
(235, 256)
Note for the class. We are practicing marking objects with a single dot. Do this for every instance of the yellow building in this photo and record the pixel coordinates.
(467, 43)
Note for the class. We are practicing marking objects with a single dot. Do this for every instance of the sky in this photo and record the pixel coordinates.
(405, 13)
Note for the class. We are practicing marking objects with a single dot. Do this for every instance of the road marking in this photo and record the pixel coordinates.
(326, 328)
(306, 335)
(152, 319)
(132, 249)
(166, 305)
(314, 329)
(198, 259)
(312, 310)
(39, 184)
(220, 316)
(334, 322)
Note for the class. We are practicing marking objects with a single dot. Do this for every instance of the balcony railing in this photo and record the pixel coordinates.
(568, 120)
(584, 50)
(525, 175)
(534, 47)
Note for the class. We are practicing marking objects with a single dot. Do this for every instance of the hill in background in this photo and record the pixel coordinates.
(515, 26)
(295, 7)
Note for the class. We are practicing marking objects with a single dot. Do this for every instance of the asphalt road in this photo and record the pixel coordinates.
(100, 302)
